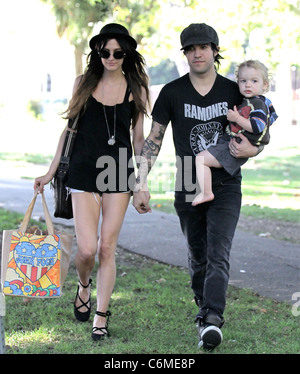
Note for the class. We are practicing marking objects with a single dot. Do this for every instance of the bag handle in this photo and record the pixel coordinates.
(28, 214)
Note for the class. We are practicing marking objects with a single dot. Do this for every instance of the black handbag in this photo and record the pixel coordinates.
(62, 198)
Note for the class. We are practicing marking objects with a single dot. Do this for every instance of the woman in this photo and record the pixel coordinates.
(112, 96)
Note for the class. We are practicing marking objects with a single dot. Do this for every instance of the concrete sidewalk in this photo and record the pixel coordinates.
(267, 266)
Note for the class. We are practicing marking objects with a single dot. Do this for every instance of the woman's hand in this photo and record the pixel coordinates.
(40, 182)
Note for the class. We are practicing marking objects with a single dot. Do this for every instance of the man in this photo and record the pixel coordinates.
(196, 105)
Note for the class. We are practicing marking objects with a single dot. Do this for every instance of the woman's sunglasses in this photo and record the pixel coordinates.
(118, 55)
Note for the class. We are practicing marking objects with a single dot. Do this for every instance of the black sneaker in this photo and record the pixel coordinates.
(210, 336)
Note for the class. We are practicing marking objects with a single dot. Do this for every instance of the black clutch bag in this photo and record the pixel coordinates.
(62, 198)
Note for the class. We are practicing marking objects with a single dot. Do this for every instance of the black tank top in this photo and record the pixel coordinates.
(96, 166)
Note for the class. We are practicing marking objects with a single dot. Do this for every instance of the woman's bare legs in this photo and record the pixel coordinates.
(86, 209)
(204, 161)
(114, 207)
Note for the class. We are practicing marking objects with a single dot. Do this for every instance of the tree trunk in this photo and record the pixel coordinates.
(78, 60)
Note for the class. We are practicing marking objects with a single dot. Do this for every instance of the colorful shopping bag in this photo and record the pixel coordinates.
(35, 264)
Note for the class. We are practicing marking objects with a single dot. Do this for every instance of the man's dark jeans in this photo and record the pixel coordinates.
(209, 229)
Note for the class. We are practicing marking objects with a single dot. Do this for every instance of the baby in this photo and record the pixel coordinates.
(252, 118)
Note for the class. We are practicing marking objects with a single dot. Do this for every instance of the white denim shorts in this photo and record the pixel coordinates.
(73, 190)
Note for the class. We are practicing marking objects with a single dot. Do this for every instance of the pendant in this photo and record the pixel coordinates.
(111, 140)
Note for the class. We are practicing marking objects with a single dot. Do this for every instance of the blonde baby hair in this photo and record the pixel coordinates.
(255, 64)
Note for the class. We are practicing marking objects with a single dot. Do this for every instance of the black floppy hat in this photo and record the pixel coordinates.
(112, 30)
(197, 34)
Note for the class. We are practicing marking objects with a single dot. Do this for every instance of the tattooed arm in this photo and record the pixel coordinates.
(147, 159)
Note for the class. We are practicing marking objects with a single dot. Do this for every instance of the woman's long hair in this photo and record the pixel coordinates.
(133, 69)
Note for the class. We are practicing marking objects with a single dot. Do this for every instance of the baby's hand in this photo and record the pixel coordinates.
(233, 115)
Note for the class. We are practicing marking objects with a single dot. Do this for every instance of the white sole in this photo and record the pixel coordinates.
(211, 337)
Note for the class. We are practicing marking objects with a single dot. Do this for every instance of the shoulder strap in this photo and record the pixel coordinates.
(70, 136)
(68, 145)
(69, 142)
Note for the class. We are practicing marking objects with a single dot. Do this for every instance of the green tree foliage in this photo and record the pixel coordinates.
(265, 29)
(139, 17)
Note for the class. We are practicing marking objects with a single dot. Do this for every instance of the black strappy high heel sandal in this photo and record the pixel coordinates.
(82, 316)
(104, 330)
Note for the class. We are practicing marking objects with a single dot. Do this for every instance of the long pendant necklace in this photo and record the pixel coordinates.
(111, 138)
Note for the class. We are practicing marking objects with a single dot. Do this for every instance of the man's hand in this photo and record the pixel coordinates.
(244, 149)
(141, 201)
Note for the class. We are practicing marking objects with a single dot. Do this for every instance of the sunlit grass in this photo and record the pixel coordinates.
(152, 313)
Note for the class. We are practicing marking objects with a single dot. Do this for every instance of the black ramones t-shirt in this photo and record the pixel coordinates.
(197, 123)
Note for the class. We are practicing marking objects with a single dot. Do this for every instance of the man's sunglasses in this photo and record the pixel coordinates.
(118, 55)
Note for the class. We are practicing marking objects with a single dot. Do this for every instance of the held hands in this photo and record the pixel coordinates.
(233, 115)
(141, 201)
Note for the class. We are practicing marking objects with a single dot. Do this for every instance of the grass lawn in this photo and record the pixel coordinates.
(152, 313)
